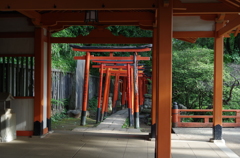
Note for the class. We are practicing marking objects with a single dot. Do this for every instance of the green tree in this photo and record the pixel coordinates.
(192, 77)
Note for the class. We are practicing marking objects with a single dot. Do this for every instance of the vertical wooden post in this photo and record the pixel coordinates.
(99, 95)
(49, 82)
(154, 84)
(115, 93)
(105, 94)
(164, 99)
(218, 85)
(238, 118)
(175, 114)
(129, 96)
(124, 87)
(38, 83)
(85, 89)
(140, 91)
(132, 95)
(136, 94)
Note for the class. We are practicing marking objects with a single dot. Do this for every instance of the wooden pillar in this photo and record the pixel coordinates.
(85, 90)
(130, 115)
(38, 83)
(115, 93)
(164, 99)
(140, 94)
(49, 83)
(154, 84)
(99, 95)
(218, 85)
(136, 94)
(124, 87)
(105, 94)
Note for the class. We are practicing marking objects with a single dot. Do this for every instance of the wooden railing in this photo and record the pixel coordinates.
(179, 114)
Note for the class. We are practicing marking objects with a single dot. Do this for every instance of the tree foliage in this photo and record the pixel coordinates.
(193, 79)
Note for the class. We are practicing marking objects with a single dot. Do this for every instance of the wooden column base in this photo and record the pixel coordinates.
(217, 132)
(49, 124)
(98, 118)
(83, 118)
(38, 128)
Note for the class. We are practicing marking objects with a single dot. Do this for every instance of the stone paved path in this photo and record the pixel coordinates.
(109, 140)
(112, 124)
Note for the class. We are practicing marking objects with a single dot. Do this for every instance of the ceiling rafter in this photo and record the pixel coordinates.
(191, 40)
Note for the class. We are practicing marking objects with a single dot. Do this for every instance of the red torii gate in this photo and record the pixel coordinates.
(88, 57)
(123, 87)
(117, 72)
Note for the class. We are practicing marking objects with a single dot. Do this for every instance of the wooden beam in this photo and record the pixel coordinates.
(17, 35)
(77, 5)
(193, 34)
(191, 40)
(104, 17)
(35, 16)
(126, 40)
(230, 26)
(207, 8)
(237, 31)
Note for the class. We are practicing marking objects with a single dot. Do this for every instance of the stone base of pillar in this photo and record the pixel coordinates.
(130, 116)
(83, 118)
(49, 124)
(98, 117)
(136, 120)
(38, 128)
(217, 132)
(153, 131)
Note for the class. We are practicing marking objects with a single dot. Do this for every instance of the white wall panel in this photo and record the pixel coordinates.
(192, 23)
(24, 113)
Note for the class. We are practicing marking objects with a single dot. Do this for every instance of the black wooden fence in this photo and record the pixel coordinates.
(17, 78)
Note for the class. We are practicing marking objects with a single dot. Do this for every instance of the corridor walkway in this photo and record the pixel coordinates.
(109, 140)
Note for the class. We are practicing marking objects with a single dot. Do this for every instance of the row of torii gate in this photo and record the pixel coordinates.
(132, 77)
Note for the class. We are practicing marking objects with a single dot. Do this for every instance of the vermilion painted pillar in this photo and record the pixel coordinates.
(218, 85)
(99, 95)
(105, 94)
(130, 115)
(140, 93)
(49, 83)
(154, 84)
(132, 95)
(136, 94)
(107, 97)
(141, 89)
(85, 89)
(124, 88)
(164, 98)
(115, 93)
(38, 83)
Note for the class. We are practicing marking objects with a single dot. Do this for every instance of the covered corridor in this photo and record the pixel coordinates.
(26, 28)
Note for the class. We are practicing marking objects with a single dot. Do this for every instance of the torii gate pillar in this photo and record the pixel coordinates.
(164, 99)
